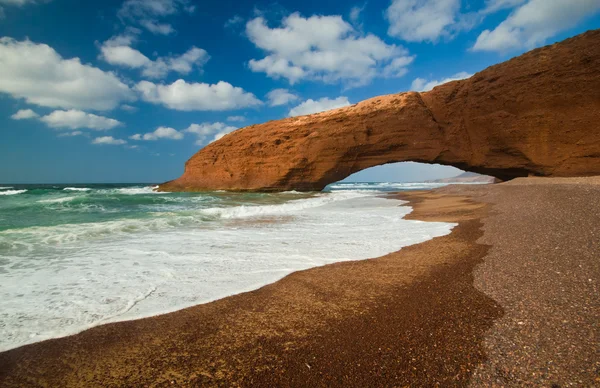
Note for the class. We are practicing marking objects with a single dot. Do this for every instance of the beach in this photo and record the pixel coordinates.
(508, 298)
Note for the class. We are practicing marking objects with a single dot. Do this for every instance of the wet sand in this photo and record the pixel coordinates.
(448, 311)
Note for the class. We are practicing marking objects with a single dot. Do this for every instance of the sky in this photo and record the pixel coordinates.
(128, 90)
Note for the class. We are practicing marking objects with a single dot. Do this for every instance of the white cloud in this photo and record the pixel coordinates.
(277, 67)
(234, 21)
(534, 22)
(128, 108)
(108, 140)
(236, 118)
(75, 119)
(492, 6)
(159, 133)
(38, 74)
(149, 12)
(215, 131)
(24, 114)
(184, 64)
(423, 85)
(421, 20)
(324, 48)
(311, 106)
(118, 51)
(278, 97)
(397, 67)
(157, 28)
(355, 13)
(430, 20)
(70, 134)
(184, 96)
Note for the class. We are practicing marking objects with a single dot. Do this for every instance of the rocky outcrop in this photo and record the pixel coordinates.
(537, 114)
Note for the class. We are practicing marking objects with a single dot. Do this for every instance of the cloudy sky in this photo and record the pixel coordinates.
(128, 90)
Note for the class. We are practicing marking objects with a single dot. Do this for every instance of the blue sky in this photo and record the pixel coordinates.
(128, 90)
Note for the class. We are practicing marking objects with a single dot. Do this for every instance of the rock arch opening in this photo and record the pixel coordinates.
(404, 172)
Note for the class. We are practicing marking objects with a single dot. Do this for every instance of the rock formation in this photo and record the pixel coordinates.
(537, 114)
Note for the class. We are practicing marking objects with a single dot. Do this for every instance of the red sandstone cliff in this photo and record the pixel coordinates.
(536, 114)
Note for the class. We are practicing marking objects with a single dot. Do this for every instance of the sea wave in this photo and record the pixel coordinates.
(6, 187)
(133, 190)
(115, 273)
(70, 233)
(57, 200)
(12, 192)
(76, 189)
(288, 208)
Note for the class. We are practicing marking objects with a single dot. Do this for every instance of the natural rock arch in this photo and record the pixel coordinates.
(537, 114)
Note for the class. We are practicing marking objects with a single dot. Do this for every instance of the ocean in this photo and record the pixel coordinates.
(76, 256)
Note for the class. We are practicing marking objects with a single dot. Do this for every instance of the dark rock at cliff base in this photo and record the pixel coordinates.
(537, 114)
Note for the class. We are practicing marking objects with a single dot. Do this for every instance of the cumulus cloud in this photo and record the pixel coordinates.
(355, 13)
(24, 114)
(38, 74)
(492, 6)
(324, 48)
(159, 133)
(108, 140)
(534, 22)
(421, 20)
(118, 51)
(75, 119)
(157, 28)
(236, 118)
(311, 106)
(212, 131)
(423, 85)
(397, 67)
(184, 96)
(278, 97)
(234, 21)
(148, 13)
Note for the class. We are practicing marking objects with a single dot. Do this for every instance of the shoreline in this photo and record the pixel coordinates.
(254, 335)
(418, 316)
(374, 215)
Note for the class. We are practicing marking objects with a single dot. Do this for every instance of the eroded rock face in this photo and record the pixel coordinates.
(537, 114)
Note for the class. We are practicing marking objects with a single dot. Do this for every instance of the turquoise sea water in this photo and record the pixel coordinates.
(75, 256)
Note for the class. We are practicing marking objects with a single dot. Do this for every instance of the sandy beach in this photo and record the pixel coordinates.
(509, 298)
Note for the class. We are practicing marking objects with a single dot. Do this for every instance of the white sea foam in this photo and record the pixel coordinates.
(12, 192)
(139, 190)
(6, 187)
(57, 200)
(76, 189)
(284, 209)
(63, 279)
